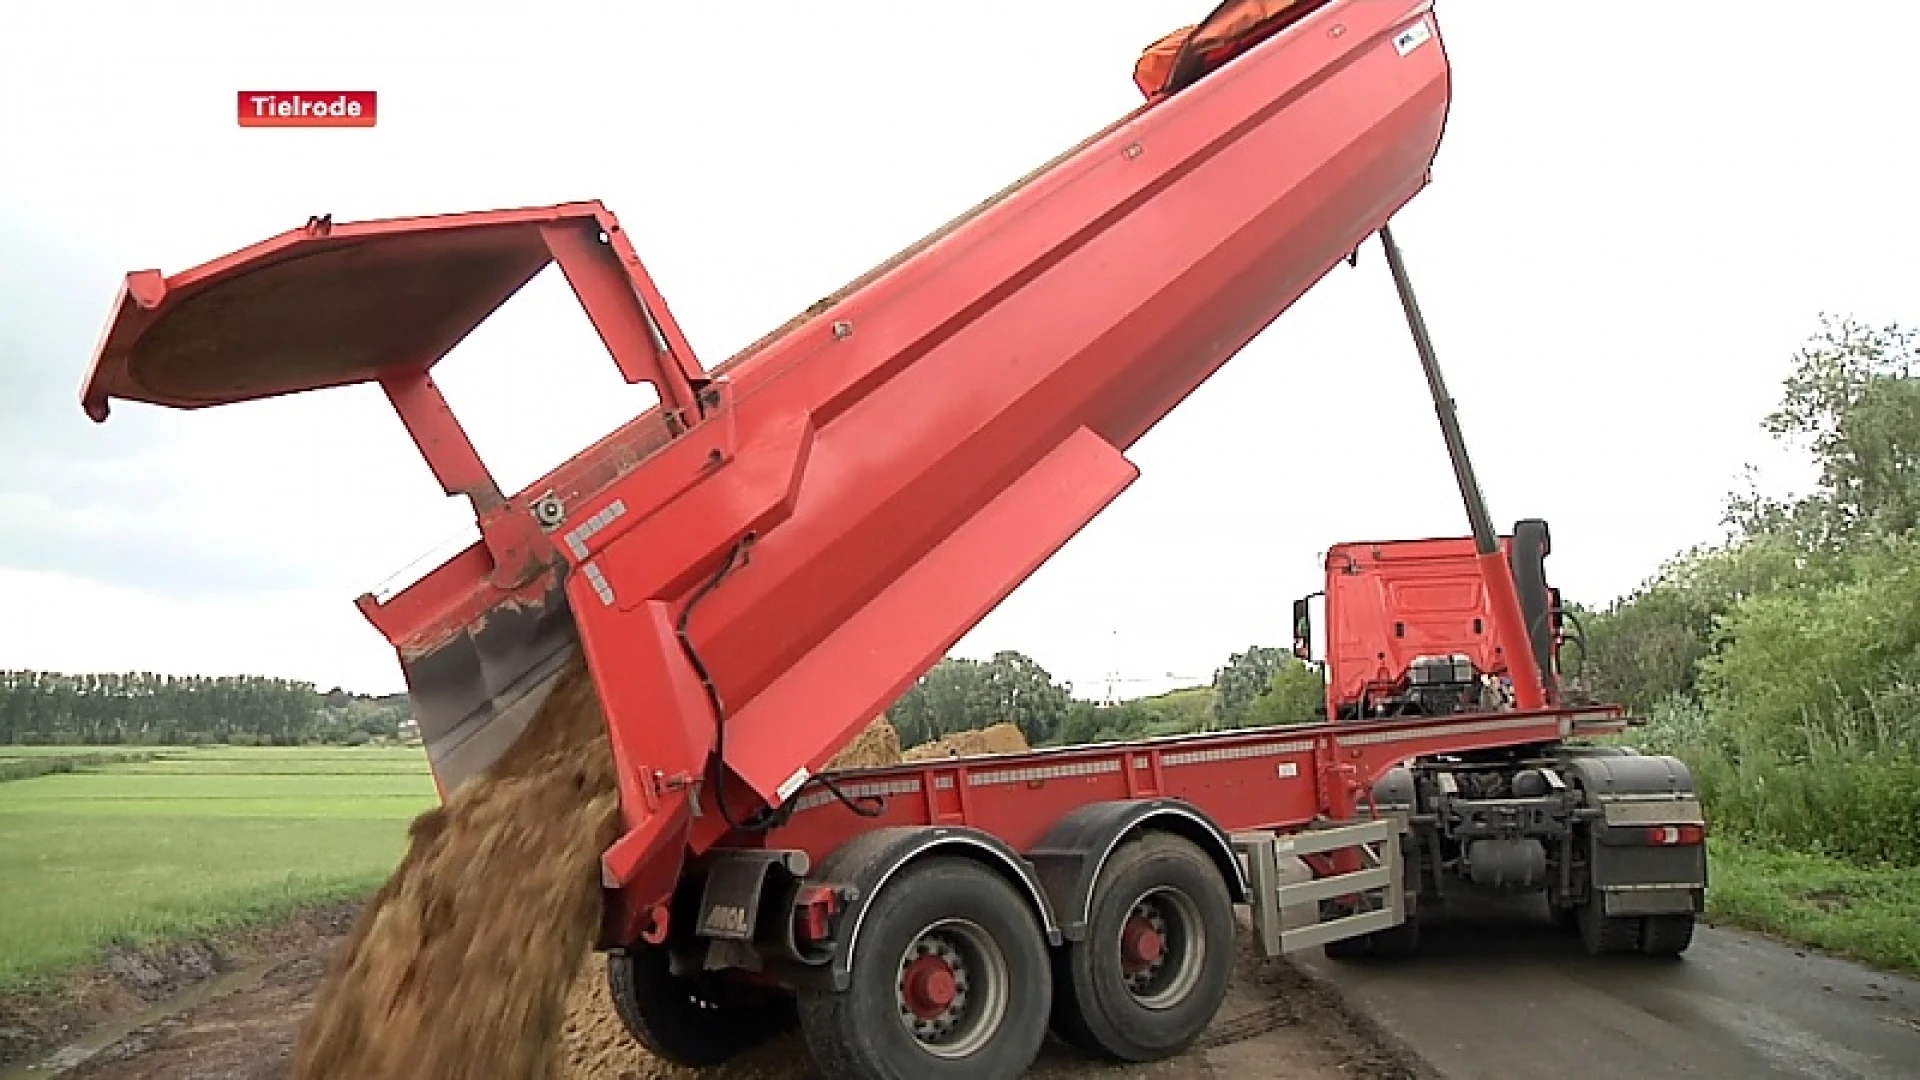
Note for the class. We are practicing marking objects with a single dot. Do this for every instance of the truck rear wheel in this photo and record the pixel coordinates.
(950, 979)
(691, 1022)
(1666, 935)
(1603, 934)
(1158, 954)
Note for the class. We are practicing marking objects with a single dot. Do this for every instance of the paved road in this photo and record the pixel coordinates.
(1492, 999)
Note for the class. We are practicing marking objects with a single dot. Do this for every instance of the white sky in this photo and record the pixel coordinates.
(1634, 221)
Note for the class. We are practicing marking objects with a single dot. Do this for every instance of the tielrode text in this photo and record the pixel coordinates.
(308, 108)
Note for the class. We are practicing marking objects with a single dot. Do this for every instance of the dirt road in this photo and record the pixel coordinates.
(1276, 1023)
(1488, 998)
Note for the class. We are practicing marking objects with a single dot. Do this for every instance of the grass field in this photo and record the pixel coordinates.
(191, 840)
(1871, 914)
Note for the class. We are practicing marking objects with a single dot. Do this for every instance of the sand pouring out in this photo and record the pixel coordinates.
(475, 958)
(460, 965)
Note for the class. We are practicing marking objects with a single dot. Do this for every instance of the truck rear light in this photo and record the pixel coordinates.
(1676, 835)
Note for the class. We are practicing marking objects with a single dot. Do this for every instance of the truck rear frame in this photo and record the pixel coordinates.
(761, 564)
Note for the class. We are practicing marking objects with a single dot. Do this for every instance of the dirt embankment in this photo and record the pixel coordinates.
(128, 982)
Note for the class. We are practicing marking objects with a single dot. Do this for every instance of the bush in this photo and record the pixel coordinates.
(51, 764)
(1815, 671)
(1852, 792)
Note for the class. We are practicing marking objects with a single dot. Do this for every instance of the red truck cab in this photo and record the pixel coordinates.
(1410, 628)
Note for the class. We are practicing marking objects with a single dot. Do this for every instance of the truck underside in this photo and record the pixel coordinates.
(760, 565)
(1612, 838)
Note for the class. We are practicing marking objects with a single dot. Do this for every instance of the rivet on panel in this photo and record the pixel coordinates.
(842, 330)
(1338, 29)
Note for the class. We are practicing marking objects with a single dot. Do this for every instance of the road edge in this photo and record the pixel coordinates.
(42, 1019)
(1366, 1021)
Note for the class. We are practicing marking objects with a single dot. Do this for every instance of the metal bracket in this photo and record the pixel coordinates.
(1379, 843)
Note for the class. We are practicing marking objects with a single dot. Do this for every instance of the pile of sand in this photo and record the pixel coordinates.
(998, 739)
(876, 746)
(460, 965)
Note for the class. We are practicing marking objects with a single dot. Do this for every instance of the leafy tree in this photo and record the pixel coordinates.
(1853, 400)
(1178, 712)
(966, 695)
(1647, 647)
(1021, 692)
(1297, 694)
(1798, 668)
(1245, 677)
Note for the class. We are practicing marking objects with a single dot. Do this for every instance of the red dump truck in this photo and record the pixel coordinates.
(762, 563)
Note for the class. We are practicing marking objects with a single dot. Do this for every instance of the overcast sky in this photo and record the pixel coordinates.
(1634, 221)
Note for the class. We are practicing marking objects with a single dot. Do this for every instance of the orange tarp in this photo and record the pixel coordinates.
(1192, 51)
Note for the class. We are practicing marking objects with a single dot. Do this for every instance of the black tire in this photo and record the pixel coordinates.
(696, 1023)
(1353, 948)
(1398, 942)
(1666, 935)
(963, 916)
(1603, 934)
(1566, 918)
(1157, 888)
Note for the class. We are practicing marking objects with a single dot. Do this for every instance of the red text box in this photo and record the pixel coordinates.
(308, 108)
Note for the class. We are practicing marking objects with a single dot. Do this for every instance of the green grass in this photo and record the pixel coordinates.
(1871, 914)
(192, 841)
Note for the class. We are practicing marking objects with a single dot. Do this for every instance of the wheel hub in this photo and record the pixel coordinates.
(1141, 945)
(930, 987)
(933, 989)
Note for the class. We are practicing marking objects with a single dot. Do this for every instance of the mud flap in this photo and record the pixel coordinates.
(474, 693)
(737, 884)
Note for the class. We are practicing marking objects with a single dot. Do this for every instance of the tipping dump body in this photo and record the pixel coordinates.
(813, 523)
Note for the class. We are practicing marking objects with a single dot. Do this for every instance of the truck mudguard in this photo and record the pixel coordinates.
(863, 866)
(1070, 859)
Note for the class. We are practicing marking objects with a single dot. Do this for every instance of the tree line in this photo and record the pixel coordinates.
(143, 708)
(1260, 687)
